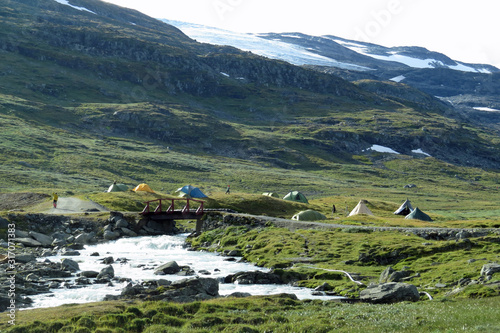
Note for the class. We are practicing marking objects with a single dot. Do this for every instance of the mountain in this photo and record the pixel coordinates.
(91, 92)
(471, 88)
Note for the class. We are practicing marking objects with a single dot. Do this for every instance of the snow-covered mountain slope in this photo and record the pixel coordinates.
(332, 51)
(273, 49)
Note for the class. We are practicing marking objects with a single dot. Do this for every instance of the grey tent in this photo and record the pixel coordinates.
(296, 196)
(418, 215)
(404, 209)
(271, 194)
(309, 215)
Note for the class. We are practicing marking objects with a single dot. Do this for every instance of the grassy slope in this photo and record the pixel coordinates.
(263, 314)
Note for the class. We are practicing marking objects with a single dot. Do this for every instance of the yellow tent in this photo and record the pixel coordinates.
(144, 188)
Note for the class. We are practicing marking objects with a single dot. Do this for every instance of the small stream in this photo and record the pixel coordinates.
(143, 255)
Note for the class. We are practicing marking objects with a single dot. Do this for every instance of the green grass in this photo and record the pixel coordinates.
(263, 314)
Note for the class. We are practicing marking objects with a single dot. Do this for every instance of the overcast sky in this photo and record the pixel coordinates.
(463, 30)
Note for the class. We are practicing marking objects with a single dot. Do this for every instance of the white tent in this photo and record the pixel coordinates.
(361, 209)
(405, 208)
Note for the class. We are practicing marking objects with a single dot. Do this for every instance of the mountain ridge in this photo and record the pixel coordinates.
(96, 88)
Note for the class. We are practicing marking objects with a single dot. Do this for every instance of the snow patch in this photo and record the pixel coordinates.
(65, 2)
(420, 151)
(225, 74)
(480, 108)
(398, 78)
(274, 49)
(382, 149)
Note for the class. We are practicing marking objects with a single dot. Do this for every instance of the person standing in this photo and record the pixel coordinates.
(228, 190)
(55, 198)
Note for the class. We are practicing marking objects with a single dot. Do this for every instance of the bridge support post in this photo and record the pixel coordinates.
(199, 225)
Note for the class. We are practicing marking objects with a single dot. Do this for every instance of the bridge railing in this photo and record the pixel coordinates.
(171, 207)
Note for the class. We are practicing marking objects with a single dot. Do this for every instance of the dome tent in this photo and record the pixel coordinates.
(117, 188)
(309, 215)
(143, 188)
(404, 209)
(189, 191)
(418, 215)
(296, 196)
(360, 209)
(271, 194)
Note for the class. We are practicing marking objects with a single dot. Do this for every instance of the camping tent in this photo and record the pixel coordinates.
(118, 188)
(143, 188)
(296, 196)
(309, 215)
(190, 191)
(360, 209)
(419, 215)
(404, 209)
(271, 194)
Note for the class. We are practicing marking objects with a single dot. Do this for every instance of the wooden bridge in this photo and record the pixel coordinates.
(168, 216)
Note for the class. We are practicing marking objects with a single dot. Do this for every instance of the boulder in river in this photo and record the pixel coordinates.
(169, 268)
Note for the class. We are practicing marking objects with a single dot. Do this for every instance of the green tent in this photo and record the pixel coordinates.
(271, 194)
(118, 188)
(309, 215)
(296, 196)
(418, 215)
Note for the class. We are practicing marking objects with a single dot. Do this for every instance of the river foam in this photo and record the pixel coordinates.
(143, 255)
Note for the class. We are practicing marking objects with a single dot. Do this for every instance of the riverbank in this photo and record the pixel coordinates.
(449, 265)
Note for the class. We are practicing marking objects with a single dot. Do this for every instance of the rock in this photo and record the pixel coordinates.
(43, 239)
(121, 223)
(168, 268)
(30, 242)
(3, 223)
(128, 232)
(89, 274)
(490, 269)
(191, 289)
(95, 254)
(107, 272)
(323, 287)
(239, 295)
(108, 260)
(21, 234)
(69, 252)
(390, 293)
(384, 276)
(132, 290)
(82, 238)
(69, 265)
(25, 258)
(255, 277)
(111, 235)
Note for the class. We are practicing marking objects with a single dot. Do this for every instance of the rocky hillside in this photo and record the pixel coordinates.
(87, 82)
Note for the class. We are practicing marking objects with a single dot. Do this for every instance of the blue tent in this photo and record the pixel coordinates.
(191, 192)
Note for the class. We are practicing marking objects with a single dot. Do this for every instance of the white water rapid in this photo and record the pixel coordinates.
(143, 254)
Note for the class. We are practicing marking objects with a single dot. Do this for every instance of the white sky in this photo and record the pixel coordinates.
(463, 30)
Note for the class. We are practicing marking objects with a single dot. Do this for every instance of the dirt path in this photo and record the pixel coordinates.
(68, 205)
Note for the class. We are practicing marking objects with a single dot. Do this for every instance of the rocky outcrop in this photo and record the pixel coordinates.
(489, 269)
(391, 292)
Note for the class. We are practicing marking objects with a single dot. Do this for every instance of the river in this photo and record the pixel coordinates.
(143, 254)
